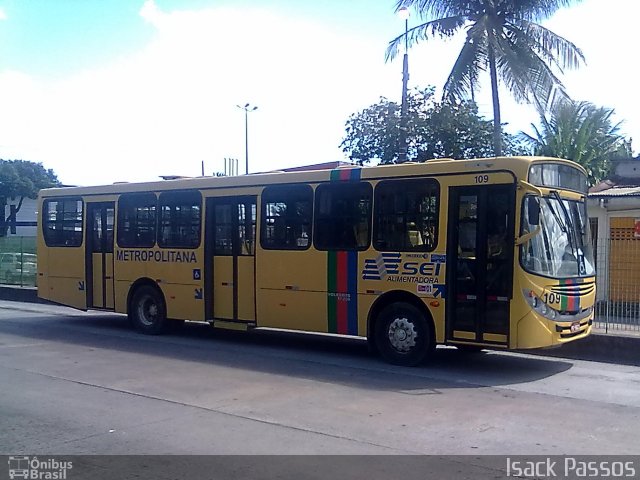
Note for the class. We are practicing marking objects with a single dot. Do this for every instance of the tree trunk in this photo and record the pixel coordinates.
(402, 151)
(497, 124)
(11, 218)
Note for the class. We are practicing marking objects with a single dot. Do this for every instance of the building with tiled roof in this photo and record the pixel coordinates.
(614, 215)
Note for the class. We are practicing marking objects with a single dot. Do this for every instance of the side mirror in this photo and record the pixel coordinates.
(533, 210)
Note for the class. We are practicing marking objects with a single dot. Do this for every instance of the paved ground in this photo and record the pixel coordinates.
(76, 383)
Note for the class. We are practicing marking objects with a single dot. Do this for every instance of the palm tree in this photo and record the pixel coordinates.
(503, 37)
(581, 132)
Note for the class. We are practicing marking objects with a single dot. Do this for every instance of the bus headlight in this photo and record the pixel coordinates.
(539, 306)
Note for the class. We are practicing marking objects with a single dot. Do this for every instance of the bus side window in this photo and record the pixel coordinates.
(180, 219)
(287, 212)
(62, 222)
(137, 220)
(247, 227)
(343, 216)
(406, 215)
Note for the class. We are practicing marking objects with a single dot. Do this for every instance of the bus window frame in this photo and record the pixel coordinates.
(46, 222)
(159, 217)
(434, 185)
(267, 198)
(120, 222)
(316, 217)
(532, 179)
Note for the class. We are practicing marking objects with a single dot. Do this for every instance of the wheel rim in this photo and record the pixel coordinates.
(148, 311)
(402, 335)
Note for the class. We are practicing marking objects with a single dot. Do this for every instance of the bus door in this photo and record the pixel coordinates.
(230, 259)
(480, 263)
(99, 255)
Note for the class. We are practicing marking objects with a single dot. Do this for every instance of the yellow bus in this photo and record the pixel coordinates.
(486, 253)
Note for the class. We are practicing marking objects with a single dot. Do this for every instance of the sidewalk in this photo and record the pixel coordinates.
(617, 347)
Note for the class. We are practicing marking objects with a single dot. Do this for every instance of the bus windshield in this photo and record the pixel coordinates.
(563, 246)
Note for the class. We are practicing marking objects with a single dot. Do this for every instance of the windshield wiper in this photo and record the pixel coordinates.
(562, 225)
(571, 234)
(567, 216)
(582, 226)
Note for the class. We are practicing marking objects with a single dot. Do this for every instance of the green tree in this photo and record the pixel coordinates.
(20, 179)
(581, 132)
(503, 37)
(434, 130)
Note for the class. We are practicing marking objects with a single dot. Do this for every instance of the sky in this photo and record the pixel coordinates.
(129, 90)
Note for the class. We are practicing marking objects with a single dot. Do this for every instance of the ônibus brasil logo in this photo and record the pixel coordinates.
(34, 468)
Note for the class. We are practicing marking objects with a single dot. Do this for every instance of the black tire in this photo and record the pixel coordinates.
(403, 335)
(147, 311)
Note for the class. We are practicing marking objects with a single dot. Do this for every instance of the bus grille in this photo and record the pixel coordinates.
(574, 290)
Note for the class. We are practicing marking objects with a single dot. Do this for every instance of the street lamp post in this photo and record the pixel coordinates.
(247, 108)
(402, 153)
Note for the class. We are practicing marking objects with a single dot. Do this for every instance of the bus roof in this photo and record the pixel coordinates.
(518, 165)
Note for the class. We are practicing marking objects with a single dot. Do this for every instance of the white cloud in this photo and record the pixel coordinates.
(3, 14)
(164, 109)
(151, 13)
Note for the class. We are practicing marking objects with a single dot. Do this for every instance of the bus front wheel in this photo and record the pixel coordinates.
(147, 311)
(402, 334)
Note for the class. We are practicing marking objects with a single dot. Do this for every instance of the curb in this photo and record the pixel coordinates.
(598, 347)
(20, 294)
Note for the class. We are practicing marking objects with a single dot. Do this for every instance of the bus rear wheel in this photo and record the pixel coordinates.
(147, 311)
(402, 335)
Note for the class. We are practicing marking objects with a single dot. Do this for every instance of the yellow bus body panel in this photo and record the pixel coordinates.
(172, 270)
(66, 276)
(223, 288)
(246, 288)
(291, 289)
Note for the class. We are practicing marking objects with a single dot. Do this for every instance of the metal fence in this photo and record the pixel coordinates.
(18, 261)
(618, 282)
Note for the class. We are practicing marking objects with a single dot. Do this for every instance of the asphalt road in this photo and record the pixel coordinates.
(85, 383)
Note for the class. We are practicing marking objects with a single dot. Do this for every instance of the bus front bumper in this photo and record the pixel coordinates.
(535, 331)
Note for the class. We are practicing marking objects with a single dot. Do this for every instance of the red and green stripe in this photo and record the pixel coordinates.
(342, 289)
(342, 276)
(345, 175)
(570, 303)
